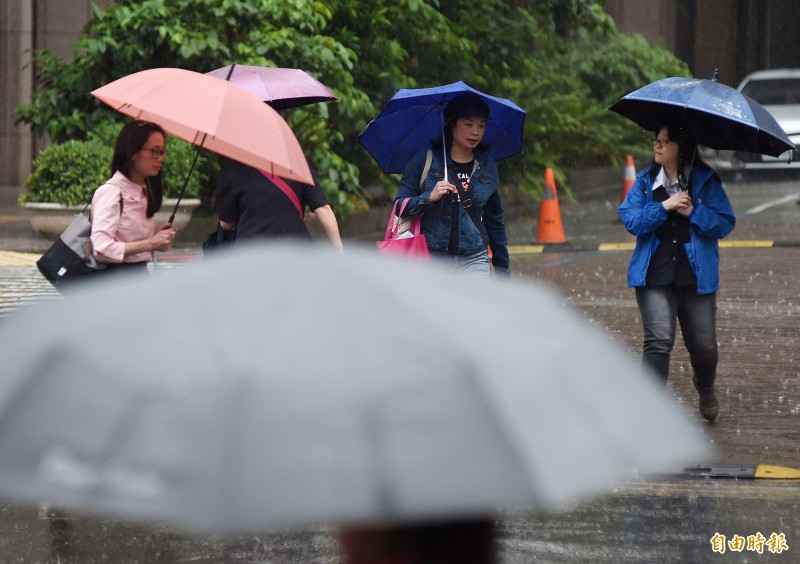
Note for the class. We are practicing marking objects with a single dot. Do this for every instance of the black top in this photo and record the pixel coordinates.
(669, 263)
(259, 208)
(460, 173)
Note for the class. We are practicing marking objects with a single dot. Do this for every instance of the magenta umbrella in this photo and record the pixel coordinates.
(281, 88)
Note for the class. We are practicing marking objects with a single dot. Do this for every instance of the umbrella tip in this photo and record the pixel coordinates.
(230, 71)
(714, 75)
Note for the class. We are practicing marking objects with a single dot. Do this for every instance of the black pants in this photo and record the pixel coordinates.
(662, 307)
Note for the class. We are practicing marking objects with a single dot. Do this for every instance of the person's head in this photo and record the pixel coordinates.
(445, 542)
(674, 147)
(139, 154)
(465, 119)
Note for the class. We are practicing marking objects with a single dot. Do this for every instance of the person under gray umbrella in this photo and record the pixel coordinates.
(452, 541)
(678, 210)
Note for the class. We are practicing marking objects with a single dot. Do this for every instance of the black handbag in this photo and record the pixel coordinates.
(219, 240)
(70, 258)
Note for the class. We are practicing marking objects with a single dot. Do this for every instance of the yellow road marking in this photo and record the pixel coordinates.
(726, 244)
(777, 472)
(10, 218)
(748, 244)
(616, 247)
(525, 249)
(11, 258)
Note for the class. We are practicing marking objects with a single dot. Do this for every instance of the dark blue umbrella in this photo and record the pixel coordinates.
(415, 116)
(720, 117)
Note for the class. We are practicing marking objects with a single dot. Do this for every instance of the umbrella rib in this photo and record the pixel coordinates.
(44, 368)
(482, 394)
(408, 131)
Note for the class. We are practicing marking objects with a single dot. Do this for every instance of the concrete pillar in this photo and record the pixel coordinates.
(16, 39)
(54, 25)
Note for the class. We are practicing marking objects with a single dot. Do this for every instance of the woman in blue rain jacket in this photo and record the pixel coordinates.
(678, 211)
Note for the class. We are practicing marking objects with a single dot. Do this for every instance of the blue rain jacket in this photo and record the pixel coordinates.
(712, 218)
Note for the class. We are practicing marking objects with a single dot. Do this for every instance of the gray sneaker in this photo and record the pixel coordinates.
(709, 404)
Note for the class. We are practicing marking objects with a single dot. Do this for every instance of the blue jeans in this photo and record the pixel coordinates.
(660, 307)
(474, 266)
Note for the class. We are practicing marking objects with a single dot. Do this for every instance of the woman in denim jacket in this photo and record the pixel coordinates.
(678, 222)
(459, 230)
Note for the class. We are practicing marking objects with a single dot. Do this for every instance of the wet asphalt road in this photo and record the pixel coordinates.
(642, 520)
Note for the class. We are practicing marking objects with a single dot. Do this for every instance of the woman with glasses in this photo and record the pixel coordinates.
(124, 234)
(678, 211)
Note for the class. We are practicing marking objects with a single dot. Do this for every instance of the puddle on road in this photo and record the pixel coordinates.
(659, 522)
(665, 521)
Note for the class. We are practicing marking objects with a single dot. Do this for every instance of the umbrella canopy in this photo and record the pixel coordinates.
(720, 117)
(212, 114)
(414, 117)
(281, 88)
(271, 399)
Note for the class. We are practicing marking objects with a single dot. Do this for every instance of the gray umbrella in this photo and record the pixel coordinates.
(288, 385)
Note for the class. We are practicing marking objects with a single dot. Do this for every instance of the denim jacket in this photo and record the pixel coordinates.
(435, 225)
(711, 219)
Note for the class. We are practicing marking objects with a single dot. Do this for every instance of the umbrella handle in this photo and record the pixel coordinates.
(687, 172)
(185, 184)
(444, 147)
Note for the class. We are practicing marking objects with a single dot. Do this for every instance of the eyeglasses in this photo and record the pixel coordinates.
(156, 152)
(661, 143)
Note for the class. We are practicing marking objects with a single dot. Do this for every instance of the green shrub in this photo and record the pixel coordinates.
(69, 173)
(177, 166)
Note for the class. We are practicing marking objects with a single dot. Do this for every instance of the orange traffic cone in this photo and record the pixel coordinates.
(550, 228)
(630, 178)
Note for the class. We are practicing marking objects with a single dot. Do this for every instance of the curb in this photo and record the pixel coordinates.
(24, 259)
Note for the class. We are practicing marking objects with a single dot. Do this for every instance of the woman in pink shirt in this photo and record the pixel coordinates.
(124, 234)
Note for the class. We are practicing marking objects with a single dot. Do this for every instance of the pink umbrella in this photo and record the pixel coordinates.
(281, 88)
(212, 114)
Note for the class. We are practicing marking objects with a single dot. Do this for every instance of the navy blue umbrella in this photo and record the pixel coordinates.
(720, 117)
(415, 116)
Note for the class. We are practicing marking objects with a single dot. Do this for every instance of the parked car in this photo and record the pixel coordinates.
(778, 90)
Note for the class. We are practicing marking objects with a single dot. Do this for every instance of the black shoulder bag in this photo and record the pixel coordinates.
(71, 258)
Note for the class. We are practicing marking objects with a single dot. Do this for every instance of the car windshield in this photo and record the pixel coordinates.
(777, 91)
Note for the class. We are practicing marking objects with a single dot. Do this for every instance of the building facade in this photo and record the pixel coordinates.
(734, 36)
(25, 25)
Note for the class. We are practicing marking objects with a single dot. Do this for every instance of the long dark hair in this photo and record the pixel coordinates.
(687, 151)
(129, 141)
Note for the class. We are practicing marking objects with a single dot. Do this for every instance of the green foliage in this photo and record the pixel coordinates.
(564, 62)
(177, 166)
(69, 172)
(203, 35)
(561, 60)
